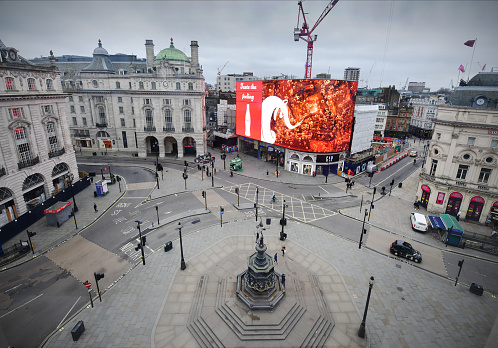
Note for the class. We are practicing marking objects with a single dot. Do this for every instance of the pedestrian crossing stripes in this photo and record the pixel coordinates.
(295, 208)
(129, 250)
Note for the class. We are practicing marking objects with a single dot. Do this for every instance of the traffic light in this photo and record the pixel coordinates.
(203, 194)
(139, 246)
(392, 182)
(31, 234)
(144, 239)
(186, 163)
(98, 276)
(375, 190)
(237, 190)
(222, 210)
(460, 263)
(283, 222)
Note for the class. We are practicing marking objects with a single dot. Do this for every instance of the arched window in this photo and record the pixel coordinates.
(22, 144)
(59, 168)
(141, 85)
(50, 84)
(52, 137)
(190, 86)
(9, 84)
(102, 114)
(149, 119)
(178, 86)
(31, 84)
(32, 180)
(95, 83)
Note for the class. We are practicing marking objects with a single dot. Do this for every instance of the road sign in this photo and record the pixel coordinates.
(88, 285)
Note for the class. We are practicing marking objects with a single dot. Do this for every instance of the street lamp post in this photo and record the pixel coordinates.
(72, 193)
(182, 265)
(283, 221)
(361, 330)
(278, 155)
(212, 172)
(238, 196)
(157, 212)
(202, 173)
(363, 229)
(256, 204)
(372, 203)
(141, 241)
(110, 174)
(185, 177)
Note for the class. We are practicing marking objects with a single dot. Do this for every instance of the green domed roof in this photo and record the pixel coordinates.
(172, 54)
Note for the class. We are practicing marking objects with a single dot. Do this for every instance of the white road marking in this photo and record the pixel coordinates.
(21, 306)
(13, 287)
(68, 313)
(323, 189)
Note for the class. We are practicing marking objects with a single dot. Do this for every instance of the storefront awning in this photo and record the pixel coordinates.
(451, 222)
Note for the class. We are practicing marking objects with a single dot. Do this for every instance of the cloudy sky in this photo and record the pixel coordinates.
(424, 38)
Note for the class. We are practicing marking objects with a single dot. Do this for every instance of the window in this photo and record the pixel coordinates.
(147, 101)
(433, 167)
(182, 70)
(102, 114)
(84, 121)
(22, 144)
(129, 84)
(178, 86)
(167, 101)
(50, 84)
(153, 85)
(97, 99)
(462, 171)
(123, 122)
(168, 119)
(484, 175)
(70, 98)
(489, 159)
(132, 110)
(438, 135)
(131, 100)
(95, 83)
(379, 120)
(75, 122)
(186, 102)
(471, 141)
(47, 110)
(187, 119)
(82, 109)
(466, 156)
(149, 120)
(80, 98)
(72, 109)
(134, 124)
(120, 99)
(141, 85)
(31, 84)
(125, 140)
(9, 84)
(190, 86)
(52, 137)
(16, 112)
(118, 85)
(121, 110)
(494, 144)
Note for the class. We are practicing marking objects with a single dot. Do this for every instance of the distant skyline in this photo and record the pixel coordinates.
(425, 39)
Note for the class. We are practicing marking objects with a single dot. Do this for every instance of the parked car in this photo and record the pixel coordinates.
(419, 222)
(413, 153)
(404, 249)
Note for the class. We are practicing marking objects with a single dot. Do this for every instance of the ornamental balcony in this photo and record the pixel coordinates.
(28, 163)
(459, 184)
(150, 128)
(56, 153)
(187, 129)
(101, 125)
(168, 129)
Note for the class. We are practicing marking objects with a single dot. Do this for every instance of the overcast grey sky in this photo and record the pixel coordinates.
(425, 41)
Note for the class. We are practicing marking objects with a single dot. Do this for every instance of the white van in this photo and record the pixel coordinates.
(419, 222)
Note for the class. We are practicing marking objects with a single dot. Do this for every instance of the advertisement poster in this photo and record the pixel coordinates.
(304, 115)
(440, 198)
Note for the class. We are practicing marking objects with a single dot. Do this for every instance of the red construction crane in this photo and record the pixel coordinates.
(220, 70)
(305, 34)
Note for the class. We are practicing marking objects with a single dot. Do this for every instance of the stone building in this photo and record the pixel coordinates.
(36, 155)
(145, 108)
(461, 171)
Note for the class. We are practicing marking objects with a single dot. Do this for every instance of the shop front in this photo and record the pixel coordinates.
(454, 203)
(475, 208)
(426, 193)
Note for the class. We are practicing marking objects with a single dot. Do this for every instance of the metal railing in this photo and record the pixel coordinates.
(168, 129)
(28, 163)
(56, 153)
(101, 125)
(187, 129)
(150, 128)
(458, 183)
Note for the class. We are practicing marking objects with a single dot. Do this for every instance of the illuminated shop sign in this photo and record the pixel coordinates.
(304, 115)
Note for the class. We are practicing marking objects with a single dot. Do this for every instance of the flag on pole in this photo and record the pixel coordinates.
(469, 43)
(483, 67)
(461, 68)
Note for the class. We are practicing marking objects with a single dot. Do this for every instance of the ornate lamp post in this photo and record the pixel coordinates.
(361, 330)
(141, 244)
(283, 236)
(182, 265)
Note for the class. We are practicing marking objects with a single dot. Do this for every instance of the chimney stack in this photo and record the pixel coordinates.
(149, 54)
(194, 52)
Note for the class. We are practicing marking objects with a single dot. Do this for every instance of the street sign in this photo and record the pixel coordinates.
(88, 285)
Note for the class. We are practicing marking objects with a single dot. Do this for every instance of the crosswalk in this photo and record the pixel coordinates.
(295, 208)
(129, 250)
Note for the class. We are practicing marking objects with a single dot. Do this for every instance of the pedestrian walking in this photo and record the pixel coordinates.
(95, 207)
(275, 257)
(283, 251)
(458, 216)
(283, 279)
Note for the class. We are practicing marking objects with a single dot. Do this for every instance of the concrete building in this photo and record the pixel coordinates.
(380, 120)
(461, 172)
(352, 74)
(227, 83)
(142, 107)
(36, 154)
(416, 87)
(423, 115)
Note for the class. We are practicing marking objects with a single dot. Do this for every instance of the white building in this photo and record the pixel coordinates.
(381, 120)
(352, 74)
(36, 155)
(365, 120)
(424, 113)
(227, 83)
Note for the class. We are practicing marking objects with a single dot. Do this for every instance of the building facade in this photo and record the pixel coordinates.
(142, 107)
(36, 154)
(352, 74)
(227, 83)
(423, 115)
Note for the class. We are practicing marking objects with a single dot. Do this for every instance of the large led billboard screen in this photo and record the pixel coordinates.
(304, 115)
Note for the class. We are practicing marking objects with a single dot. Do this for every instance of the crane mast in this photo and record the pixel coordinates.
(305, 34)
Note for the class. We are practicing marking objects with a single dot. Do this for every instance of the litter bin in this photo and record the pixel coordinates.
(400, 185)
(95, 154)
(77, 330)
(476, 289)
(168, 246)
